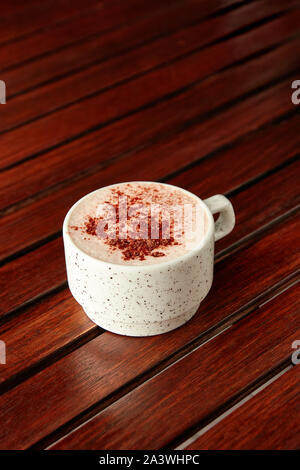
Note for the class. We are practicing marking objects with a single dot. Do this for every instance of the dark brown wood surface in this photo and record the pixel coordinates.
(193, 93)
(169, 403)
(67, 123)
(277, 408)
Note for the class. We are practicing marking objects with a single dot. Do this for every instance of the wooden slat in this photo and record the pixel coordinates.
(269, 421)
(261, 148)
(259, 204)
(32, 278)
(217, 119)
(90, 373)
(54, 168)
(254, 208)
(42, 330)
(152, 415)
(243, 168)
(46, 215)
(115, 38)
(61, 93)
(54, 129)
(38, 16)
(54, 327)
(96, 49)
(60, 35)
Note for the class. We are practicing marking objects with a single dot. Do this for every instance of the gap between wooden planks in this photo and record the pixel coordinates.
(69, 323)
(66, 124)
(277, 145)
(269, 421)
(108, 31)
(88, 383)
(153, 24)
(116, 141)
(252, 218)
(88, 24)
(196, 385)
(62, 93)
(17, 25)
(46, 215)
(106, 146)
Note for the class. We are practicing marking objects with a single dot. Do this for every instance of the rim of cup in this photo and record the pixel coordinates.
(209, 232)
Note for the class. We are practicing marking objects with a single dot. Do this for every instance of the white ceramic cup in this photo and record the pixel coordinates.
(143, 300)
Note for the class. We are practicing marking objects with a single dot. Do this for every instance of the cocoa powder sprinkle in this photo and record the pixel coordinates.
(132, 248)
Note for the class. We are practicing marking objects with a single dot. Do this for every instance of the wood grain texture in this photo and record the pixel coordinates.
(53, 168)
(65, 124)
(38, 272)
(255, 207)
(146, 24)
(75, 87)
(194, 93)
(101, 47)
(46, 215)
(108, 362)
(151, 416)
(58, 321)
(56, 328)
(44, 329)
(38, 16)
(277, 147)
(269, 421)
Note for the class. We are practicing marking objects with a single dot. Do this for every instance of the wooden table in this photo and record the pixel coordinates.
(196, 93)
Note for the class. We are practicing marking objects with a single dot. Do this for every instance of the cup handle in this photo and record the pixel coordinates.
(226, 220)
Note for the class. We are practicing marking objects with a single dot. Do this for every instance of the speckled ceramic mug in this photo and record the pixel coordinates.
(150, 299)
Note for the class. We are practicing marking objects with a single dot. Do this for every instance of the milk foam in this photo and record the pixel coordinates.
(151, 196)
